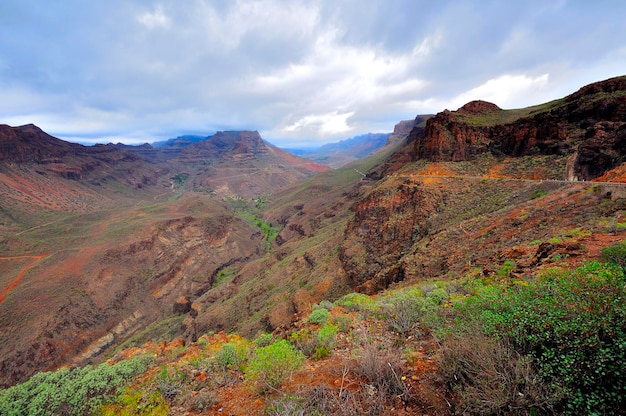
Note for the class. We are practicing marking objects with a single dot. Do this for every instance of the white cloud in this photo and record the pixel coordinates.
(293, 69)
(331, 123)
(504, 91)
(154, 19)
(346, 79)
(427, 45)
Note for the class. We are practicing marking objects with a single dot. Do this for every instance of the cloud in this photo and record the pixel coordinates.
(505, 91)
(154, 19)
(346, 79)
(331, 123)
(292, 69)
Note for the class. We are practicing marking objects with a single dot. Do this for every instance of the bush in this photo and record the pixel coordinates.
(326, 341)
(74, 391)
(264, 340)
(323, 400)
(270, 365)
(204, 400)
(137, 402)
(615, 254)
(357, 302)
(383, 369)
(170, 383)
(325, 304)
(231, 356)
(316, 344)
(490, 378)
(404, 312)
(319, 316)
(572, 325)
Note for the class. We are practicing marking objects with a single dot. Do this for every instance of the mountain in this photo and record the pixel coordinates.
(587, 126)
(241, 163)
(245, 238)
(180, 141)
(163, 150)
(43, 176)
(341, 153)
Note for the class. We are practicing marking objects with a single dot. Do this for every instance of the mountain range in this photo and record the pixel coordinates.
(109, 246)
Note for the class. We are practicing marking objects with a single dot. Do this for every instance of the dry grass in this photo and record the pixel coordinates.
(490, 378)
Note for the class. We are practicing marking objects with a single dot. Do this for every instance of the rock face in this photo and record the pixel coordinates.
(589, 124)
(386, 223)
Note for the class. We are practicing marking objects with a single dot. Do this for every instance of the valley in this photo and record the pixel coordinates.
(106, 254)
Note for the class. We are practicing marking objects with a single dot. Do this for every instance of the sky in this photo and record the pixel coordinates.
(302, 73)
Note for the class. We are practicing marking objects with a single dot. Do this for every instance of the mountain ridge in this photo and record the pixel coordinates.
(586, 125)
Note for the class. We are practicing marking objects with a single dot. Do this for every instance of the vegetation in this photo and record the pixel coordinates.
(252, 214)
(231, 356)
(319, 316)
(615, 254)
(179, 179)
(75, 391)
(554, 344)
(270, 365)
(562, 334)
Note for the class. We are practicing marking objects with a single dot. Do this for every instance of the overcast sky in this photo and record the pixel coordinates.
(299, 72)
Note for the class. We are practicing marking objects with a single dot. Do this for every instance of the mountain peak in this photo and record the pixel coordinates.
(479, 107)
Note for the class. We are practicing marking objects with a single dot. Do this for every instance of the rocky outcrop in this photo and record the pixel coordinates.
(402, 129)
(182, 305)
(386, 224)
(590, 122)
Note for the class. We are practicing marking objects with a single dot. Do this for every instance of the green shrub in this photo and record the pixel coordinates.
(231, 356)
(357, 302)
(319, 316)
(270, 365)
(325, 304)
(74, 391)
(170, 382)
(506, 269)
(137, 402)
(615, 254)
(316, 344)
(572, 325)
(437, 295)
(405, 312)
(326, 340)
(305, 341)
(343, 323)
(538, 193)
(263, 340)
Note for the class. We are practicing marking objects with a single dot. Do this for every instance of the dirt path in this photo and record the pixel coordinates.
(35, 259)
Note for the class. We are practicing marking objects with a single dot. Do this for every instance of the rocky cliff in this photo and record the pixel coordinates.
(481, 162)
(589, 126)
